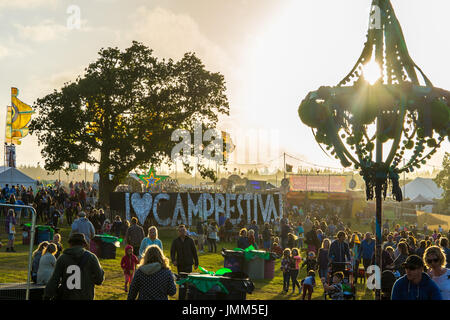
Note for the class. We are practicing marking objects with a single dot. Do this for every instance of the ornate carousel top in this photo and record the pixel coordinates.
(385, 99)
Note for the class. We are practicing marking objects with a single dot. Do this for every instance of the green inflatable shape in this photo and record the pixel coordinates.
(250, 253)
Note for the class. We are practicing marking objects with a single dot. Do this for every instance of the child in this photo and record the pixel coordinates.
(251, 239)
(106, 228)
(128, 264)
(310, 262)
(57, 241)
(335, 290)
(294, 268)
(285, 267)
(308, 284)
(277, 249)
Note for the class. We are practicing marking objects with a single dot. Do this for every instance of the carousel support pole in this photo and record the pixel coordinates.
(379, 204)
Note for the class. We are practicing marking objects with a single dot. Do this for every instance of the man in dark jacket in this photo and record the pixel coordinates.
(415, 284)
(135, 234)
(339, 253)
(183, 254)
(77, 270)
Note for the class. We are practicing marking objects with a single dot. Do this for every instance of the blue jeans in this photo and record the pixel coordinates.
(266, 244)
(300, 243)
(286, 278)
(323, 273)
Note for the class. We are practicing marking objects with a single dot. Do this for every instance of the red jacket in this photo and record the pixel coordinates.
(129, 263)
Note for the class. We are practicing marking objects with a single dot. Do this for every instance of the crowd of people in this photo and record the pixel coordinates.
(416, 261)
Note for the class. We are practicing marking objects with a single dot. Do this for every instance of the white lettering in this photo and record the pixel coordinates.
(74, 280)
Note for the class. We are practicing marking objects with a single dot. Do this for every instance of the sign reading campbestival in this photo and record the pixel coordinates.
(171, 209)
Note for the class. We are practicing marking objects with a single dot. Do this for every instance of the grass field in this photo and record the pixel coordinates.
(13, 269)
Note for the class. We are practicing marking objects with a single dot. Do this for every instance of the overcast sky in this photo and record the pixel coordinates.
(271, 52)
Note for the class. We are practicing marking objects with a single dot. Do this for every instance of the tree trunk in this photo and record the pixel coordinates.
(106, 185)
(105, 188)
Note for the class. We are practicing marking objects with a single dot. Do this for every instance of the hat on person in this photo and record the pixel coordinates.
(82, 214)
(77, 239)
(413, 262)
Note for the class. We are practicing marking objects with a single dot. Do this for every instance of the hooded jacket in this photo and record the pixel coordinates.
(427, 289)
(128, 263)
(91, 274)
(84, 226)
(152, 282)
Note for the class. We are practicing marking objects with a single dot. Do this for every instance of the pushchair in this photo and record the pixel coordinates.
(388, 279)
(348, 285)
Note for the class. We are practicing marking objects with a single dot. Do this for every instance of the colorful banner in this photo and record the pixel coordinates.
(18, 115)
(318, 183)
(175, 208)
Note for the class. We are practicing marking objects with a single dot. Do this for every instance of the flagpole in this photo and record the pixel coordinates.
(284, 156)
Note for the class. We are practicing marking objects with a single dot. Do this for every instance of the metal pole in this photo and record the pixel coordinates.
(30, 253)
(284, 167)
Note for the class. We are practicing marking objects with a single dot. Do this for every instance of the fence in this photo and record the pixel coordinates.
(23, 217)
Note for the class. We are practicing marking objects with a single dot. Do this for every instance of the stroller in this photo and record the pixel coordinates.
(348, 285)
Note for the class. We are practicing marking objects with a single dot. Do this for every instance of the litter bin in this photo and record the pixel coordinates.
(269, 269)
(108, 245)
(255, 268)
(226, 287)
(269, 266)
(238, 285)
(26, 234)
(233, 260)
(95, 246)
(43, 233)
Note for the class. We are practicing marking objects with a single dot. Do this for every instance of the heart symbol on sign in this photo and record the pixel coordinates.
(141, 206)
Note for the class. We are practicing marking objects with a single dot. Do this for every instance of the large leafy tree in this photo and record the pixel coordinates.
(443, 180)
(120, 115)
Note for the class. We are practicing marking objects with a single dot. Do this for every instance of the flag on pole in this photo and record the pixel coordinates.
(18, 115)
(289, 168)
(228, 145)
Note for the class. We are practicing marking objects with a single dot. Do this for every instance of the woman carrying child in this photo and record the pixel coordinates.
(296, 259)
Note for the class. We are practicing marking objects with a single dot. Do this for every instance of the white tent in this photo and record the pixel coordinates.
(423, 188)
(427, 188)
(12, 176)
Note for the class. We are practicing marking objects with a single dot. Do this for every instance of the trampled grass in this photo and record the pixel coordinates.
(13, 269)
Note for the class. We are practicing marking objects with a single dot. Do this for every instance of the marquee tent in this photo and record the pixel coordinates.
(13, 176)
(427, 188)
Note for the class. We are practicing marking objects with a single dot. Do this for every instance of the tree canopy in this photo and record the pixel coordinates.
(120, 115)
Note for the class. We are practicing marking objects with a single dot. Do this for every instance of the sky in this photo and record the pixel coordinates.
(271, 53)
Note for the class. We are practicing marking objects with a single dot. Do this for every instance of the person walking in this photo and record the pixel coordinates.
(435, 261)
(10, 226)
(415, 284)
(75, 262)
(151, 239)
(367, 251)
(339, 253)
(153, 279)
(213, 229)
(128, 265)
(135, 235)
(183, 254)
(84, 226)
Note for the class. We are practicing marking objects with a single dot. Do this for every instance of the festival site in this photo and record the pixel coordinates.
(225, 150)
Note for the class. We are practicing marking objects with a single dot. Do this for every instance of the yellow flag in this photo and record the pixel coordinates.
(20, 111)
